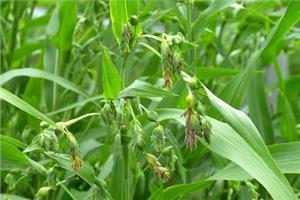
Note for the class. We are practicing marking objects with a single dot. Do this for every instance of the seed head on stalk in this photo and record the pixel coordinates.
(161, 172)
(190, 136)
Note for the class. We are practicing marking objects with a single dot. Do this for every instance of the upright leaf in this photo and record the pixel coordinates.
(234, 91)
(258, 109)
(208, 14)
(110, 77)
(120, 12)
(67, 16)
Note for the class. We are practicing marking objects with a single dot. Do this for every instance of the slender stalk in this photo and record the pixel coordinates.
(125, 151)
(190, 31)
(124, 136)
(123, 74)
(280, 77)
(54, 84)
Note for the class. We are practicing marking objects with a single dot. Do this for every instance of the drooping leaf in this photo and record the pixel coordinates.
(276, 183)
(175, 191)
(37, 73)
(110, 77)
(12, 157)
(75, 105)
(143, 89)
(13, 141)
(19, 103)
(27, 50)
(86, 171)
(286, 156)
(12, 197)
(227, 143)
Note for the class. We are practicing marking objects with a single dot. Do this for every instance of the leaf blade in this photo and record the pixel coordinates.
(111, 79)
(19, 103)
(143, 89)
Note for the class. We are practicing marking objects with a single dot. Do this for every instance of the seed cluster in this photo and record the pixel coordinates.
(171, 57)
(128, 34)
(161, 172)
(196, 123)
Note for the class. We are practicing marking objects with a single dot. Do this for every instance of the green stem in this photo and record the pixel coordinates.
(54, 84)
(280, 77)
(123, 74)
(125, 151)
(190, 31)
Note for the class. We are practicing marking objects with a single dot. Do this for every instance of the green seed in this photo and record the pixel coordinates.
(133, 20)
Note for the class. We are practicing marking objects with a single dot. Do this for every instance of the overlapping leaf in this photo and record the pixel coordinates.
(143, 89)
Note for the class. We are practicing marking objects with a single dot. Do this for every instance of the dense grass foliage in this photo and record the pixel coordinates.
(150, 99)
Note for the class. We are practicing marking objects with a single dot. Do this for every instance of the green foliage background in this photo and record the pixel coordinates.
(71, 65)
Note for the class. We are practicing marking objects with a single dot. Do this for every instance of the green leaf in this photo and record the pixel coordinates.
(107, 167)
(253, 155)
(229, 144)
(234, 91)
(53, 25)
(143, 89)
(88, 145)
(117, 187)
(288, 120)
(13, 141)
(120, 12)
(110, 77)
(258, 109)
(75, 105)
(147, 23)
(11, 156)
(37, 73)
(286, 155)
(67, 16)
(86, 171)
(11, 197)
(179, 88)
(173, 192)
(215, 72)
(208, 14)
(27, 50)
(19, 103)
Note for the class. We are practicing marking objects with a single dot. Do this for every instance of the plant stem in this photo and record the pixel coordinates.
(190, 31)
(279, 77)
(54, 84)
(125, 151)
(124, 136)
(123, 74)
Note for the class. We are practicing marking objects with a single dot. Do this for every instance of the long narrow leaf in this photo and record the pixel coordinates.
(37, 73)
(276, 183)
(143, 89)
(110, 77)
(19, 103)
